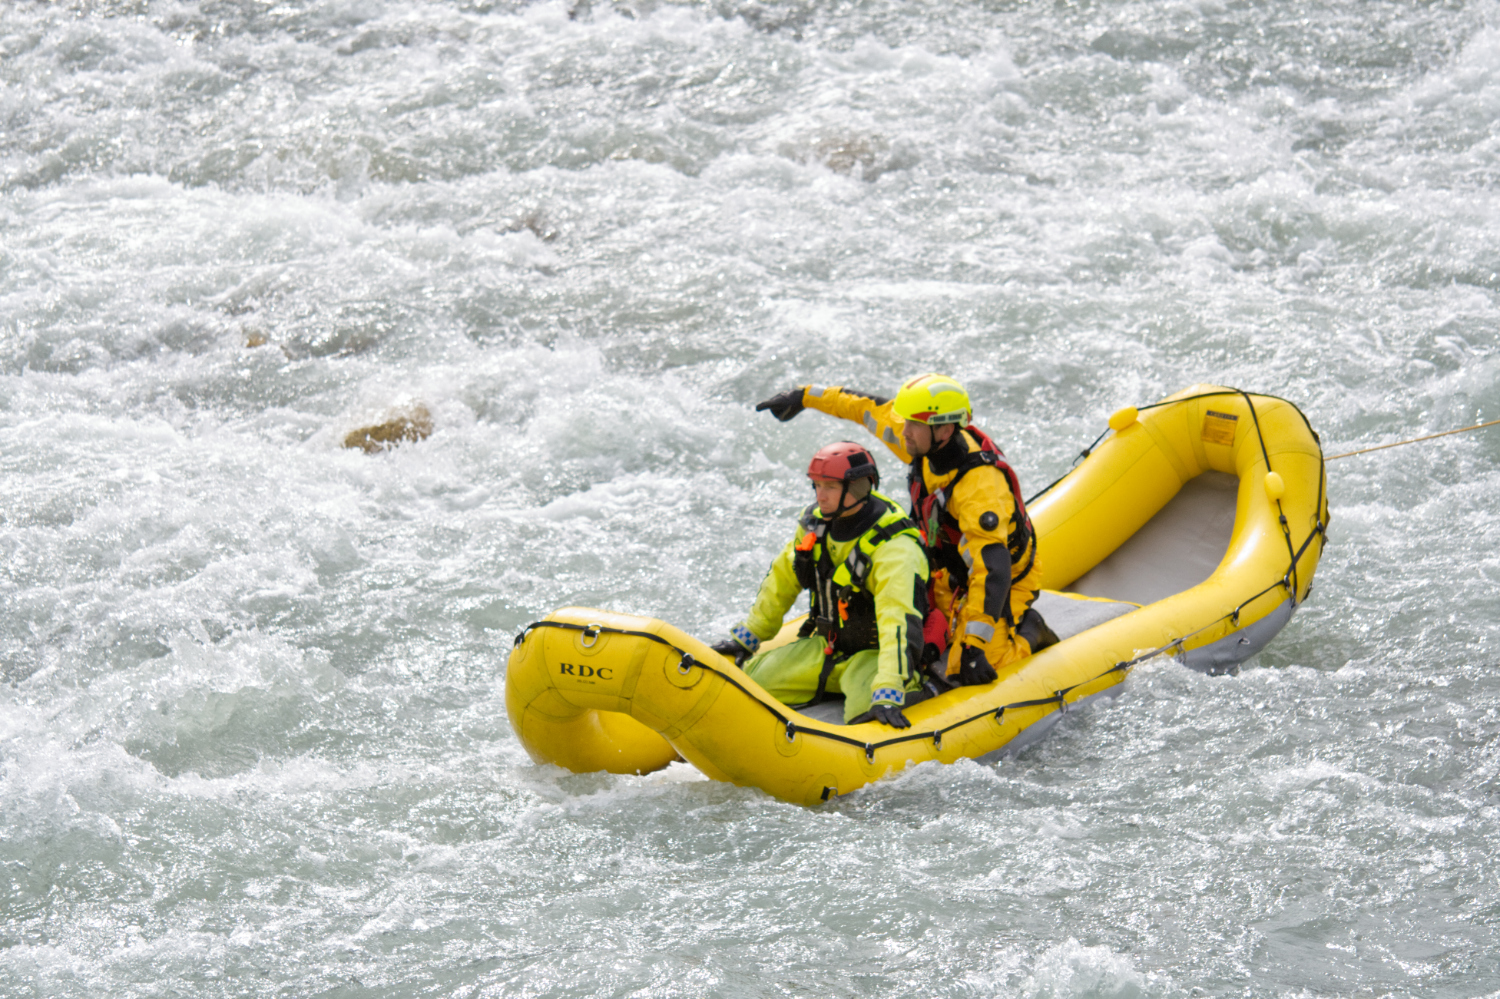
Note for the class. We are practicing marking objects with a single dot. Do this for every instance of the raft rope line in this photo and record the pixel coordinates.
(688, 661)
(1286, 530)
(1173, 402)
(1291, 580)
(1059, 697)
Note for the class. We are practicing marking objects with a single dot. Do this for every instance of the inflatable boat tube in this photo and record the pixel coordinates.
(1191, 528)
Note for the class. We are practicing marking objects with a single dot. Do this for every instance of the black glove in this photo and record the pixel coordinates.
(889, 714)
(973, 667)
(730, 649)
(784, 406)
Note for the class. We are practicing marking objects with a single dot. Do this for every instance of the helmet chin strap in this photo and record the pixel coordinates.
(843, 494)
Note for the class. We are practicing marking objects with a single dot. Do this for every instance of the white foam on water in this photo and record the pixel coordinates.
(1071, 969)
(252, 730)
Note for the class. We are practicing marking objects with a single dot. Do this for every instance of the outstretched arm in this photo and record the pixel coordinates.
(873, 412)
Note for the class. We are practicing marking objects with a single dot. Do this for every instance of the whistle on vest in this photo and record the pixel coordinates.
(826, 627)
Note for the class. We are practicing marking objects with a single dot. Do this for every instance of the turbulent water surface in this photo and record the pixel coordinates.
(252, 730)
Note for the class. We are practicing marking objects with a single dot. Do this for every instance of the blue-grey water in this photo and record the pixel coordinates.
(252, 727)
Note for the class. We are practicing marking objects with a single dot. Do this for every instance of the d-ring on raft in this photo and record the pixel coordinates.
(1191, 528)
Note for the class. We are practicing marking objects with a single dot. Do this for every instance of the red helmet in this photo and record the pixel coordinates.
(843, 462)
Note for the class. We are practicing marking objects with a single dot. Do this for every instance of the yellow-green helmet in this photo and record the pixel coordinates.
(933, 399)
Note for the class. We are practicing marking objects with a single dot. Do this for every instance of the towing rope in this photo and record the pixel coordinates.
(1414, 440)
(1059, 697)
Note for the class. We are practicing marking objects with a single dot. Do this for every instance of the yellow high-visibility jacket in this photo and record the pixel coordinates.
(884, 561)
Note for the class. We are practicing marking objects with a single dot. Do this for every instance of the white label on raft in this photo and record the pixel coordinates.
(1218, 428)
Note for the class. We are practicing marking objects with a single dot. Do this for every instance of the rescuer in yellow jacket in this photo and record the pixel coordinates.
(967, 502)
(861, 558)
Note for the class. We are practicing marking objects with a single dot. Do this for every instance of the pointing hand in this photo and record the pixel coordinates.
(784, 406)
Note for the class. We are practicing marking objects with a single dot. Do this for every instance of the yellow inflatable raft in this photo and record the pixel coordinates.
(1190, 528)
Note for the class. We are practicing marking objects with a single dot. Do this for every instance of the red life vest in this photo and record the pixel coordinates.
(940, 531)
